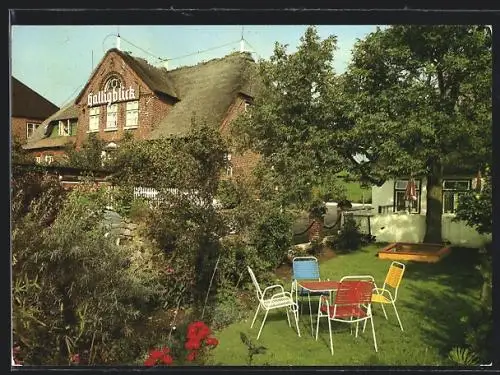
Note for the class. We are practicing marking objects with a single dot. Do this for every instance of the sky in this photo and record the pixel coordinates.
(57, 61)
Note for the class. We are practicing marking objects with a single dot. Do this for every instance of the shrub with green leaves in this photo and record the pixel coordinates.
(228, 194)
(349, 236)
(273, 236)
(74, 289)
(463, 357)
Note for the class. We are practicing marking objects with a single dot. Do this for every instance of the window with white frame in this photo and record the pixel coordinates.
(49, 159)
(64, 128)
(132, 115)
(112, 117)
(38, 159)
(94, 114)
(402, 205)
(30, 129)
(452, 189)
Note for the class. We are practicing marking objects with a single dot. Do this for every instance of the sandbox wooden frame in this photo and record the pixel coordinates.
(435, 253)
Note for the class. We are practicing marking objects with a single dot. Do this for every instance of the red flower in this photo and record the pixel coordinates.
(75, 358)
(198, 331)
(192, 344)
(191, 356)
(167, 359)
(212, 341)
(150, 362)
(158, 357)
(155, 354)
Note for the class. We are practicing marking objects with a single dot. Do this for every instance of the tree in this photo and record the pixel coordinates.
(89, 156)
(295, 121)
(420, 99)
(185, 223)
(476, 207)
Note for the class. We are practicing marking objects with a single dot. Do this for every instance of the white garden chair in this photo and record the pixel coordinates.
(278, 300)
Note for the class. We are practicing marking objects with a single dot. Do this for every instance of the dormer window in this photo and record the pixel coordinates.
(64, 128)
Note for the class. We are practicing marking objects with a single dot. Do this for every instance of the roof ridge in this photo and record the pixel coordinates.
(236, 54)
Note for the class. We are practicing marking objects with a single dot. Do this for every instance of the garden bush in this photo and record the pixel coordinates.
(273, 236)
(228, 195)
(349, 236)
(74, 290)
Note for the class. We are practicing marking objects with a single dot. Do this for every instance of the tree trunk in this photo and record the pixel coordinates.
(433, 216)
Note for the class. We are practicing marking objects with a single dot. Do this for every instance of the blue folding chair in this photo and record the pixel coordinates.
(305, 268)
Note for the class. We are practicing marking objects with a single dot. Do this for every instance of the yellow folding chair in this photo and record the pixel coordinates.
(392, 280)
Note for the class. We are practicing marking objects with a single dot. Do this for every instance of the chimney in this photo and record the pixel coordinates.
(118, 41)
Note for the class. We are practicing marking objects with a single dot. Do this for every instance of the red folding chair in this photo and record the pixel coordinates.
(352, 304)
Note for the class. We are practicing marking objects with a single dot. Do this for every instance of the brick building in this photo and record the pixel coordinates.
(29, 110)
(125, 94)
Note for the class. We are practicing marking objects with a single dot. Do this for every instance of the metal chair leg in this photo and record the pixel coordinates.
(330, 330)
(397, 316)
(373, 331)
(255, 316)
(262, 325)
(310, 314)
(383, 309)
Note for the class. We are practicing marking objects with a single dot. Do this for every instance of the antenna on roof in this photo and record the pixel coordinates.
(242, 40)
(118, 38)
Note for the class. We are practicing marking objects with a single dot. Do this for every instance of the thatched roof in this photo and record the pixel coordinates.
(157, 79)
(28, 103)
(50, 142)
(39, 138)
(206, 91)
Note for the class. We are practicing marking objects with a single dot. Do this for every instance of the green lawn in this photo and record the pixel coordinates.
(431, 302)
(355, 192)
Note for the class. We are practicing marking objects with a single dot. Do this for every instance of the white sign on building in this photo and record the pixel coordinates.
(111, 96)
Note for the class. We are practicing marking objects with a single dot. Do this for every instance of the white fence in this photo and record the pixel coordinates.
(152, 195)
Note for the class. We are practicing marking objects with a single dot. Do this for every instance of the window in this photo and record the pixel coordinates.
(94, 114)
(452, 189)
(38, 159)
(30, 128)
(49, 159)
(64, 128)
(247, 104)
(400, 204)
(229, 168)
(132, 116)
(114, 82)
(112, 117)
